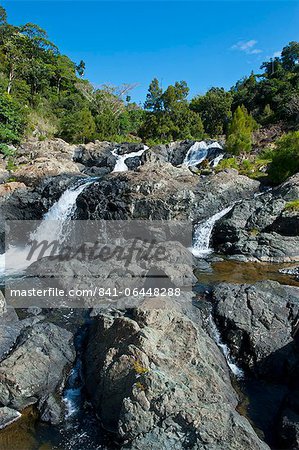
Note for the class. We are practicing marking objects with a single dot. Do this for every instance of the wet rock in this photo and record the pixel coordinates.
(8, 416)
(155, 390)
(257, 323)
(51, 410)
(21, 204)
(35, 367)
(133, 163)
(262, 228)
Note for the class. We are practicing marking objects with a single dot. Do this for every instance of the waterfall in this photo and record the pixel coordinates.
(52, 227)
(198, 152)
(237, 371)
(120, 165)
(217, 160)
(202, 234)
(55, 222)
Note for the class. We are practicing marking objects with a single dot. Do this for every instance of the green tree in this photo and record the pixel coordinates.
(285, 159)
(153, 100)
(239, 139)
(12, 120)
(290, 56)
(214, 109)
(78, 127)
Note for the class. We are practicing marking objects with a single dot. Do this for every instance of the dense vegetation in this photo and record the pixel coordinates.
(43, 94)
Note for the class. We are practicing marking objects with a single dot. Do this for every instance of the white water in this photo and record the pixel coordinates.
(120, 165)
(237, 371)
(202, 234)
(52, 227)
(217, 160)
(198, 152)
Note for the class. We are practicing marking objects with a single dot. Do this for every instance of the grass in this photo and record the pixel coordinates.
(253, 167)
(292, 206)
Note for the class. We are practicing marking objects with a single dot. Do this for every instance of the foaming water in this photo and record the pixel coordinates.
(120, 165)
(198, 152)
(203, 232)
(235, 369)
(53, 227)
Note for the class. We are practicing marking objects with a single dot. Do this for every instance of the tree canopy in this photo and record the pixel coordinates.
(44, 93)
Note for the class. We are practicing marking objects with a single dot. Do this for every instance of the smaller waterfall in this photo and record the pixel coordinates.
(120, 165)
(237, 371)
(217, 160)
(198, 152)
(202, 234)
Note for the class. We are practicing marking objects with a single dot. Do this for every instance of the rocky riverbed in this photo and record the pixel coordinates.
(158, 375)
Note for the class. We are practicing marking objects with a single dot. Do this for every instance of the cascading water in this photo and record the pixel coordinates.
(217, 160)
(237, 371)
(202, 234)
(120, 165)
(53, 227)
(198, 152)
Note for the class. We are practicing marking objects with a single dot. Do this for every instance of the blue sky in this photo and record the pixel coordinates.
(205, 43)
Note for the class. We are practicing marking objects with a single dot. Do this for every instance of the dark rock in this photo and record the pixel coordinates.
(35, 367)
(161, 191)
(262, 228)
(96, 171)
(256, 321)
(133, 163)
(154, 390)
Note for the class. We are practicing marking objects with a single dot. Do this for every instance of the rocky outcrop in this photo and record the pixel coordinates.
(257, 323)
(162, 191)
(262, 228)
(8, 416)
(155, 390)
(34, 358)
(35, 368)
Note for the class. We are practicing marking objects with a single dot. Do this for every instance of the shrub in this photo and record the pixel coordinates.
(12, 120)
(239, 138)
(292, 206)
(285, 159)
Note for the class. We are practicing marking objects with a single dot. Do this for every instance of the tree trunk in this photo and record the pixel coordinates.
(11, 77)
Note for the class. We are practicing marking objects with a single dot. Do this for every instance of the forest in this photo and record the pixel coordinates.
(44, 94)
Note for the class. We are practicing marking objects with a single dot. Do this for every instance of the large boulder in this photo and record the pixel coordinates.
(36, 160)
(262, 228)
(36, 365)
(257, 323)
(158, 381)
(161, 191)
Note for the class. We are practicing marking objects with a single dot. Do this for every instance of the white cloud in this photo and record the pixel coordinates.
(276, 55)
(247, 47)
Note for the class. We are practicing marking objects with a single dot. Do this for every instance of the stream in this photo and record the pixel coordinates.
(81, 429)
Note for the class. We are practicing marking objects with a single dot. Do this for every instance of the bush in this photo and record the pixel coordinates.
(6, 150)
(292, 206)
(12, 120)
(285, 159)
(239, 138)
